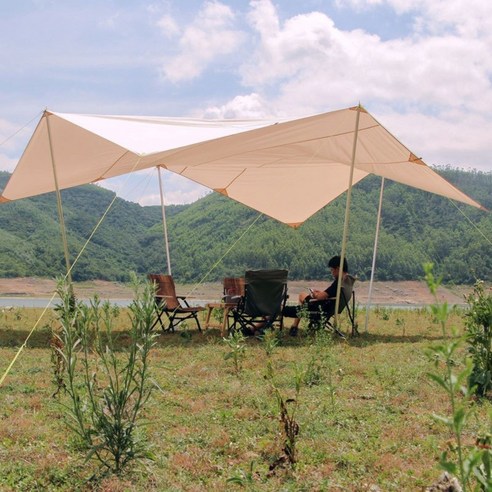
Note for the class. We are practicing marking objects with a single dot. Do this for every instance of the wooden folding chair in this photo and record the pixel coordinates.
(174, 307)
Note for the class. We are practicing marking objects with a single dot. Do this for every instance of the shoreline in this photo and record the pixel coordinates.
(408, 293)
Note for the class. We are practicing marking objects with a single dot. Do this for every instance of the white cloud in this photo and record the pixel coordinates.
(431, 86)
(10, 134)
(12, 140)
(469, 19)
(307, 65)
(175, 197)
(7, 163)
(208, 38)
(168, 26)
(310, 57)
(455, 139)
(143, 187)
(251, 106)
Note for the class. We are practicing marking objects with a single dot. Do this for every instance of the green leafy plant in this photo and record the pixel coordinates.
(384, 313)
(218, 314)
(236, 342)
(314, 372)
(270, 341)
(478, 321)
(107, 388)
(323, 363)
(471, 463)
(244, 478)
(401, 323)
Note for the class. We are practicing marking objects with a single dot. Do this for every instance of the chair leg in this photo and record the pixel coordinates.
(171, 317)
(353, 321)
(158, 319)
(225, 320)
(207, 319)
(195, 315)
(335, 330)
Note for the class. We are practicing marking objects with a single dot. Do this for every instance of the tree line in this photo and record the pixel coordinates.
(216, 237)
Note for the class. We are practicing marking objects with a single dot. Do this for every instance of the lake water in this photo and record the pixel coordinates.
(42, 302)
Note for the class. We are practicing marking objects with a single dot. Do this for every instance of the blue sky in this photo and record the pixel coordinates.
(423, 68)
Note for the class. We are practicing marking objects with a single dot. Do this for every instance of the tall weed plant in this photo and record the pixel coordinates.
(478, 322)
(289, 427)
(470, 463)
(107, 386)
(321, 367)
(236, 342)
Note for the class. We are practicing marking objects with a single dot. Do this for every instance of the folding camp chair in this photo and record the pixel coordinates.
(233, 290)
(176, 308)
(265, 294)
(322, 312)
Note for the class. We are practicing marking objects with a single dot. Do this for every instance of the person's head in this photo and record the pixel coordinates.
(334, 265)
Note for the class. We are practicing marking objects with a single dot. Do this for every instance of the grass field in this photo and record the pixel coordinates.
(365, 412)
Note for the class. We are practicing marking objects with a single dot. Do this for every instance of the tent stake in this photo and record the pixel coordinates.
(164, 222)
(347, 216)
(374, 253)
(59, 203)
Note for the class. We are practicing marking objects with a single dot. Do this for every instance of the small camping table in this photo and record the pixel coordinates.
(226, 307)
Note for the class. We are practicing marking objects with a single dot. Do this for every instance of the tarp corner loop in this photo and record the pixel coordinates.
(415, 159)
(358, 108)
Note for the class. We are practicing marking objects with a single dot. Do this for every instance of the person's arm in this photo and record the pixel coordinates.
(319, 295)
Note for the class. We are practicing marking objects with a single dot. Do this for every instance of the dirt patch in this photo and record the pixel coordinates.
(398, 293)
(42, 287)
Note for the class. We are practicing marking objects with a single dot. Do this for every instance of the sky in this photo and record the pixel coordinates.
(422, 68)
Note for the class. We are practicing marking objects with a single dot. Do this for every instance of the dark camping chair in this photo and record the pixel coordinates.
(175, 308)
(265, 294)
(232, 293)
(321, 313)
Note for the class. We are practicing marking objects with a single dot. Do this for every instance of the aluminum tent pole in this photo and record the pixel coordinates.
(375, 250)
(164, 222)
(59, 202)
(347, 215)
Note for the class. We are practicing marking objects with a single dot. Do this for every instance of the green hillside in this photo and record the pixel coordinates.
(213, 235)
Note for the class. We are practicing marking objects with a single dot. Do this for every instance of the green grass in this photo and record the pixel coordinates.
(207, 424)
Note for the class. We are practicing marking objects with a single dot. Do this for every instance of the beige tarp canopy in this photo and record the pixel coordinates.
(286, 169)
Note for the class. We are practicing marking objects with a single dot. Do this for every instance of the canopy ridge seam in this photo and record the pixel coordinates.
(234, 179)
(307, 140)
(114, 164)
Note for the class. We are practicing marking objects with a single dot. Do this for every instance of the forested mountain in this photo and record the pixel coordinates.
(215, 237)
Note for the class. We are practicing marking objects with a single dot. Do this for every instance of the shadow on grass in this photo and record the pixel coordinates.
(41, 339)
(15, 338)
(365, 339)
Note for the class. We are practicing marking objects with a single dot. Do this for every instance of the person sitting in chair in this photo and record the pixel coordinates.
(322, 298)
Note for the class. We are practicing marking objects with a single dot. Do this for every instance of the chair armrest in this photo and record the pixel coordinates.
(230, 299)
(159, 298)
